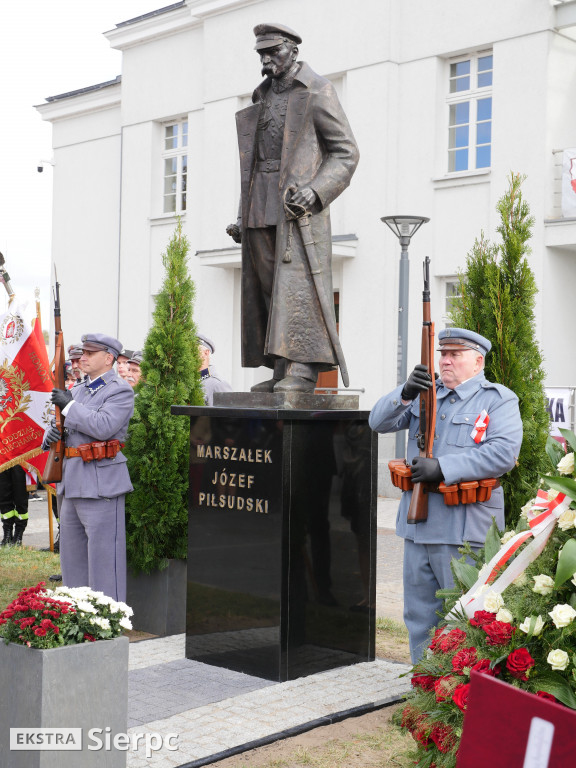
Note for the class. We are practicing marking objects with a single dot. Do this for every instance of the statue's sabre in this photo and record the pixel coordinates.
(298, 213)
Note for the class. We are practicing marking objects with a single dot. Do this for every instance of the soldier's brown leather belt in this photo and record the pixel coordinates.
(95, 451)
(267, 166)
(466, 492)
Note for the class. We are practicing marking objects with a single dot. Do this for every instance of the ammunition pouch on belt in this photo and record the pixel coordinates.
(466, 492)
(95, 451)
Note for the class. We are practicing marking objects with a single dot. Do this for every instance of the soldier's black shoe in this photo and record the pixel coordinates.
(55, 577)
(7, 540)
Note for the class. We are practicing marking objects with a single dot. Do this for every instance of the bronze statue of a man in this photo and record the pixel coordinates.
(297, 153)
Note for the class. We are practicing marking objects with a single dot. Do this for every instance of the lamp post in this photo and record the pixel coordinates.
(404, 227)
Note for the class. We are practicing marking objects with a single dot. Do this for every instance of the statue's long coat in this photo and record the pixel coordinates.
(318, 151)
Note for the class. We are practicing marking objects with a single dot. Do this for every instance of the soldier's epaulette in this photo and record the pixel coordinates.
(500, 388)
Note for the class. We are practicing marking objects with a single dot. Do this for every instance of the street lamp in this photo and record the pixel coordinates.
(404, 227)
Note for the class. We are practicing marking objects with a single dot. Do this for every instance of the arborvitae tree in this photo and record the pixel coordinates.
(497, 300)
(158, 442)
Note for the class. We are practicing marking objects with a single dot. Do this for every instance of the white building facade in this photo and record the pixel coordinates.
(445, 100)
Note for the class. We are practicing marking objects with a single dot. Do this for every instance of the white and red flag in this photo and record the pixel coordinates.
(25, 387)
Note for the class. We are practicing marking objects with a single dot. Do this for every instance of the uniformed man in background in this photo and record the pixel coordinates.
(95, 477)
(478, 436)
(211, 382)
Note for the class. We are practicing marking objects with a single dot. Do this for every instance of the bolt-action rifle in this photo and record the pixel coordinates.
(418, 510)
(53, 471)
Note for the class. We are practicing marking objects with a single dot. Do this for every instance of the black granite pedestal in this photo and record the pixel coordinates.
(282, 539)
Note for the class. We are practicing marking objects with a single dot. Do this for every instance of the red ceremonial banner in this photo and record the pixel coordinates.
(505, 727)
(25, 387)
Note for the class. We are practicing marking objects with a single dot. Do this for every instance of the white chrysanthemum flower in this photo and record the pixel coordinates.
(125, 623)
(507, 536)
(85, 606)
(100, 621)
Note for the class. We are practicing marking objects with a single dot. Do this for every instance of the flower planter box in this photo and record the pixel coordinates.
(158, 599)
(76, 686)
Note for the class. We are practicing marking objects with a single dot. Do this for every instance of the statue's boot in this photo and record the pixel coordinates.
(300, 377)
(278, 375)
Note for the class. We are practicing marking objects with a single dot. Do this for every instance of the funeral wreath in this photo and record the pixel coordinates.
(512, 615)
(45, 618)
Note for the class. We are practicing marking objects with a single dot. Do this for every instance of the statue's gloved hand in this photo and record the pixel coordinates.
(306, 197)
(61, 397)
(235, 232)
(418, 381)
(426, 470)
(52, 435)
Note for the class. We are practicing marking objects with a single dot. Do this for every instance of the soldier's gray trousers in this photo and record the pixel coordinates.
(93, 545)
(426, 569)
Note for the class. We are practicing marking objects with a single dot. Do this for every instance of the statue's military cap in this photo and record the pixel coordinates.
(97, 342)
(456, 338)
(206, 342)
(269, 35)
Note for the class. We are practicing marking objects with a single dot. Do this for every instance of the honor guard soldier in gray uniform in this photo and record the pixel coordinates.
(211, 382)
(95, 477)
(478, 436)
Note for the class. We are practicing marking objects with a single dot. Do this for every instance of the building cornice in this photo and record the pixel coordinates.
(85, 101)
(169, 21)
(151, 27)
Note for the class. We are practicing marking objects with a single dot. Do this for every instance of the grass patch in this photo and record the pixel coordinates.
(392, 640)
(22, 567)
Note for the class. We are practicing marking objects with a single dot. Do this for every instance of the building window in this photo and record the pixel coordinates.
(470, 113)
(175, 159)
(451, 294)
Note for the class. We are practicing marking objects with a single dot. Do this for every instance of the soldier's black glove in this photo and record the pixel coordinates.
(418, 381)
(52, 435)
(426, 470)
(61, 397)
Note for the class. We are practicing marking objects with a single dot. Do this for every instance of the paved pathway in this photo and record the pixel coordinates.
(217, 712)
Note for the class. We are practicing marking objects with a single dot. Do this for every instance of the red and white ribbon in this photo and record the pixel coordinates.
(480, 426)
(541, 528)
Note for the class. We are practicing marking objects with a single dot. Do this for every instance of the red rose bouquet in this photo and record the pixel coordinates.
(521, 630)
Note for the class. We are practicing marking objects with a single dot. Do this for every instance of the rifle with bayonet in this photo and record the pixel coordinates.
(418, 510)
(53, 471)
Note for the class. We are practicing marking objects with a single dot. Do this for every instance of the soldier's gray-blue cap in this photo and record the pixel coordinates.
(206, 342)
(270, 35)
(456, 338)
(97, 342)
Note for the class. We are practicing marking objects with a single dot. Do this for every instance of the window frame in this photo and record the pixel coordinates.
(471, 96)
(179, 154)
(446, 297)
